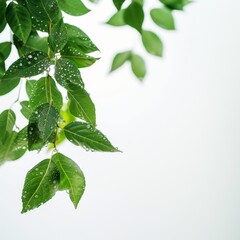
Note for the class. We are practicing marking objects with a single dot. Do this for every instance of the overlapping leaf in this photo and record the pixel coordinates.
(42, 126)
(73, 7)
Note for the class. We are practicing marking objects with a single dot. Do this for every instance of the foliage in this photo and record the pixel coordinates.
(47, 64)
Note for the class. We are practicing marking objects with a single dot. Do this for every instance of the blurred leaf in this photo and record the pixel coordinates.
(152, 43)
(134, 16)
(117, 19)
(163, 17)
(118, 3)
(120, 59)
(138, 66)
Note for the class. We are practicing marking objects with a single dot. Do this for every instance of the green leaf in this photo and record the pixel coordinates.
(152, 43)
(134, 16)
(5, 49)
(85, 135)
(26, 109)
(67, 72)
(71, 177)
(78, 40)
(7, 146)
(138, 66)
(45, 91)
(120, 59)
(176, 4)
(19, 20)
(73, 7)
(40, 185)
(19, 146)
(58, 37)
(7, 85)
(163, 17)
(28, 65)
(81, 105)
(7, 122)
(34, 43)
(42, 126)
(29, 87)
(80, 59)
(3, 21)
(43, 9)
(117, 19)
(118, 3)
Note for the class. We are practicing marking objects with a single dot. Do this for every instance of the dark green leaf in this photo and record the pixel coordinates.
(152, 43)
(138, 66)
(19, 20)
(118, 3)
(7, 122)
(78, 40)
(81, 105)
(3, 21)
(42, 126)
(134, 16)
(58, 37)
(5, 49)
(67, 72)
(80, 59)
(45, 91)
(73, 7)
(40, 185)
(176, 4)
(163, 17)
(26, 109)
(71, 177)
(117, 19)
(85, 135)
(120, 59)
(45, 10)
(28, 65)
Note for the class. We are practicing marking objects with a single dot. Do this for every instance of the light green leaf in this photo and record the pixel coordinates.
(45, 91)
(5, 49)
(78, 40)
(67, 72)
(58, 37)
(73, 7)
(42, 126)
(117, 19)
(45, 10)
(71, 177)
(134, 16)
(41, 184)
(80, 59)
(120, 59)
(29, 86)
(28, 65)
(19, 20)
(26, 109)
(85, 135)
(138, 66)
(81, 105)
(7, 122)
(163, 17)
(152, 43)
(19, 146)
(7, 146)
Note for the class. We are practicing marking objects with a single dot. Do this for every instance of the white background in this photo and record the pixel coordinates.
(178, 177)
